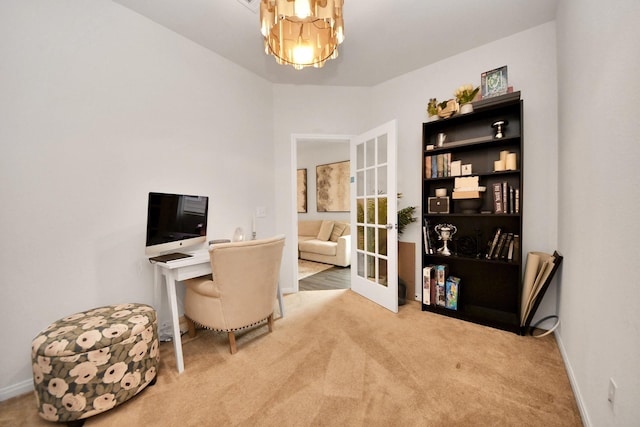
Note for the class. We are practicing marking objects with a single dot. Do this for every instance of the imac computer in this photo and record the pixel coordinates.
(175, 222)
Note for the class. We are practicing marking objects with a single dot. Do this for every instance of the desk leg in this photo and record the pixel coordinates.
(157, 287)
(173, 305)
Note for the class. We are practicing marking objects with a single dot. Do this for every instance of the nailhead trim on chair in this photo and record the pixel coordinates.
(232, 329)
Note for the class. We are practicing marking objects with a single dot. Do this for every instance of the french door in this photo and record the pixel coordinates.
(374, 232)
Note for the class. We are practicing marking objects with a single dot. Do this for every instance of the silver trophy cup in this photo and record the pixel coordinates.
(445, 233)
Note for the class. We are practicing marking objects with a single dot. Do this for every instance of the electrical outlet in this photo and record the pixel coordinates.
(612, 392)
(261, 212)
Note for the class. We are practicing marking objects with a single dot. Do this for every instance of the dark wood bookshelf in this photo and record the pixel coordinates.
(490, 289)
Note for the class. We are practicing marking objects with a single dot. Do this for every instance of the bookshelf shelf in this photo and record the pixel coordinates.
(485, 174)
(489, 291)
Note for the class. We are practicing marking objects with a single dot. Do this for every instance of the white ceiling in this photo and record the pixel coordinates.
(383, 38)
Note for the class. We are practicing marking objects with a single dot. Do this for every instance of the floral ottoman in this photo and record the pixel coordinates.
(90, 362)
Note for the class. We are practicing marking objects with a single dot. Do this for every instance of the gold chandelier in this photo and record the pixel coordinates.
(302, 33)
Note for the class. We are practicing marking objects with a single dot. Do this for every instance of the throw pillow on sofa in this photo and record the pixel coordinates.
(338, 228)
(325, 230)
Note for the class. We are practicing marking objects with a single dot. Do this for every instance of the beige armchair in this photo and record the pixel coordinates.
(241, 291)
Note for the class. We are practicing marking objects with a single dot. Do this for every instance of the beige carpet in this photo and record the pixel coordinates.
(337, 359)
(309, 268)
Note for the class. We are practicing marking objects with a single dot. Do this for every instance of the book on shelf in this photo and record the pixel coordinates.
(505, 197)
(427, 167)
(516, 248)
(512, 200)
(499, 246)
(497, 198)
(433, 287)
(456, 167)
(493, 243)
(441, 284)
(457, 195)
(517, 201)
(427, 273)
(424, 239)
(452, 292)
(505, 249)
(447, 164)
(510, 251)
(466, 183)
(439, 166)
(426, 236)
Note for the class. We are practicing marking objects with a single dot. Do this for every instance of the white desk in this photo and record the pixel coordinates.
(173, 271)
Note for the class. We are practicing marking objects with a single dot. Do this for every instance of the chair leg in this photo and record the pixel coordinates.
(191, 326)
(280, 300)
(270, 322)
(232, 342)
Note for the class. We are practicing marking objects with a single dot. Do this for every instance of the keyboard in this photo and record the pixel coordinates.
(169, 257)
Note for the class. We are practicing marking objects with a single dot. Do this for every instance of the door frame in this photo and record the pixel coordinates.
(295, 139)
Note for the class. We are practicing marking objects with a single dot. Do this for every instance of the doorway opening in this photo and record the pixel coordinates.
(310, 152)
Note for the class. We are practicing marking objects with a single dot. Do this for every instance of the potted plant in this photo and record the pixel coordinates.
(432, 109)
(465, 94)
(405, 217)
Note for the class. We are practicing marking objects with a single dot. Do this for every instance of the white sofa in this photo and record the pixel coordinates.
(325, 241)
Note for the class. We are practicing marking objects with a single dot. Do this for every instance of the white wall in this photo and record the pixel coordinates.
(406, 97)
(99, 106)
(308, 110)
(599, 89)
(312, 153)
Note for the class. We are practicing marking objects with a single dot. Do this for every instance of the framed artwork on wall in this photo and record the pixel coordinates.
(302, 190)
(332, 187)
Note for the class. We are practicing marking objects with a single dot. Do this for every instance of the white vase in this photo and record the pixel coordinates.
(466, 108)
(433, 118)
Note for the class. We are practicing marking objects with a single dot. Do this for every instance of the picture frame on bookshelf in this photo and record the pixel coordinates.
(494, 82)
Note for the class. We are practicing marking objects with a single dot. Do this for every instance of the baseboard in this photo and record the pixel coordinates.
(16, 390)
(572, 380)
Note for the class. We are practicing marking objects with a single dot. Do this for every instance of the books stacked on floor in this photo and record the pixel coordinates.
(506, 199)
(467, 188)
(503, 246)
(439, 288)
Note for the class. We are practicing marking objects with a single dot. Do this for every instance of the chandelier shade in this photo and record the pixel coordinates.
(302, 33)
